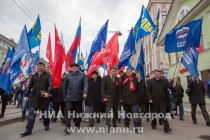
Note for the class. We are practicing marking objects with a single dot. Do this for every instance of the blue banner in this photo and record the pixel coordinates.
(156, 30)
(176, 40)
(98, 43)
(144, 25)
(128, 51)
(5, 82)
(34, 35)
(141, 63)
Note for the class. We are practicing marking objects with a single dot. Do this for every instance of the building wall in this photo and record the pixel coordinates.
(204, 59)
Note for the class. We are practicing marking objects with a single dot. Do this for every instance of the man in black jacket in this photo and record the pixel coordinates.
(110, 95)
(130, 98)
(93, 100)
(197, 97)
(41, 83)
(157, 93)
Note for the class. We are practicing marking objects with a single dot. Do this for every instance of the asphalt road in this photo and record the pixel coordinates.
(182, 130)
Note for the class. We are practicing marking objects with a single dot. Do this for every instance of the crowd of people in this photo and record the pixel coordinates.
(155, 98)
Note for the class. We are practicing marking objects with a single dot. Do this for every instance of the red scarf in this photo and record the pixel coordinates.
(132, 88)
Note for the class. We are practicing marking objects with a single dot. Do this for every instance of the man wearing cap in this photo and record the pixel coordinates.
(75, 89)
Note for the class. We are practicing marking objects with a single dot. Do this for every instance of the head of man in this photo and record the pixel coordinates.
(113, 71)
(46, 68)
(74, 67)
(147, 77)
(94, 75)
(40, 67)
(162, 73)
(138, 75)
(157, 74)
(129, 72)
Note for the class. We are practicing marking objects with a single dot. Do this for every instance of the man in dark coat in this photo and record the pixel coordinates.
(41, 85)
(157, 93)
(57, 98)
(197, 97)
(75, 89)
(130, 98)
(110, 95)
(93, 100)
(177, 92)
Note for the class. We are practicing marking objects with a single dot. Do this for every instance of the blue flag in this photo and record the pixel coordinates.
(22, 47)
(34, 35)
(176, 40)
(130, 66)
(190, 56)
(33, 65)
(98, 43)
(156, 30)
(5, 82)
(141, 63)
(144, 25)
(128, 51)
(80, 61)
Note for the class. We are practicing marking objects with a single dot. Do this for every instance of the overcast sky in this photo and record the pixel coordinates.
(122, 15)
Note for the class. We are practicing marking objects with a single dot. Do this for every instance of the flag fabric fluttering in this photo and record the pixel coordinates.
(190, 55)
(98, 43)
(144, 25)
(80, 61)
(21, 48)
(111, 49)
(5, 82)
(141, 63)
(156, 30)
(71, 56)
(128, 51)
(177, 39)
(49, 53)
(64, 63)
(58, 62)
(34, 35)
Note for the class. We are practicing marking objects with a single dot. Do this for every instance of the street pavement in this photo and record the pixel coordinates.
(182, 130)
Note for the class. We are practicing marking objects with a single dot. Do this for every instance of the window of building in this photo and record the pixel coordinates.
(164, 16)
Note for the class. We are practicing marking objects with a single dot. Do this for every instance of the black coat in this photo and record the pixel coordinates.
(110, 90)
(177, 93)
(157, 91)
(143, 92)
(37, 84)
(94, 93)
(197, 94)
(126, 95)
(57, 96)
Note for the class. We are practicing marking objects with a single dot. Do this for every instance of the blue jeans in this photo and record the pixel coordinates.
(32, 117)
(24, 106)
(20, 97)
(181, 108)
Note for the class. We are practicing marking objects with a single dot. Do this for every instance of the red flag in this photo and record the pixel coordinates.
(111, 49)
(71, 56)
(59, 59)
(100, 58)
(49, 53)
(200, 49)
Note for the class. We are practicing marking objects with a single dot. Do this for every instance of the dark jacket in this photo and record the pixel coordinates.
(157, 90)
(74, 86)
(126, 95)
(57, 96)
(94, 93)
(143, 92)
(37, 84)
(110, 89)
(177, 93)
(197, 95)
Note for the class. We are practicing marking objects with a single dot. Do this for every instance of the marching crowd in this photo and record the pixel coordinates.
(108, 95)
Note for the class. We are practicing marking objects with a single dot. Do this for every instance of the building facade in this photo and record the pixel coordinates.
(180, 13)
